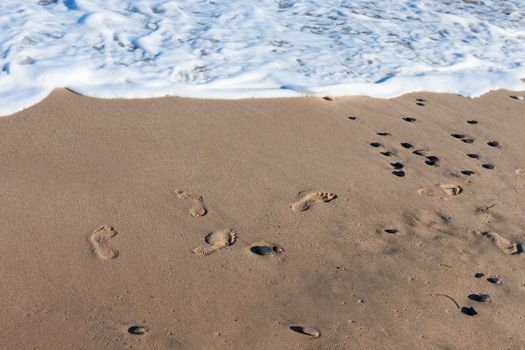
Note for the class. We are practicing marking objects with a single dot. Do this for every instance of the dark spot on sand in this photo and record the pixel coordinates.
(493, 144)
(468, 140)
(488, 166)
(306, 330)
(409, 119)
(387, 153)
(375, 144)
(467, 172)
(264, 250)
(383, 134)
(473, 122)
(473, 155)
(479, 274)
(353, 117)
(406, 145)
(457, 136)
(419, 152)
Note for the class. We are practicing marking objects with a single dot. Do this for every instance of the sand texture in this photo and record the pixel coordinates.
(308, 223)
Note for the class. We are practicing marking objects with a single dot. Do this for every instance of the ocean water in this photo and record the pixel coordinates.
(264, 48)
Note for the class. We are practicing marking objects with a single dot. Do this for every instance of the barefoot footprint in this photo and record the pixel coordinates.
(99, 240)
(441, 189)
(308, 199)
(216, 240)
(506, 246)
(199, 209)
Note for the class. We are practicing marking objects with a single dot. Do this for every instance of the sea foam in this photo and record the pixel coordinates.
(265, 48)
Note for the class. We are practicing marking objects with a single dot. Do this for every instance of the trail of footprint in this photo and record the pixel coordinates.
(199, 209)
(506, 246)
(441, 189)
(99, 240)
(216, 240)
(308, 199)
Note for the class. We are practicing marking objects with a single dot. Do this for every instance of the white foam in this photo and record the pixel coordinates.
(268, 48)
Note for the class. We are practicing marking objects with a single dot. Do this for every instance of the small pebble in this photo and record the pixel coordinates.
(399, 173)
(397, 165)
(137, 330)
(469, 311)
(494, 279)
(480, 297)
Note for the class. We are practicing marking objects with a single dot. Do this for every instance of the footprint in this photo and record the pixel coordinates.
(472, 122)
(308, 199)
(99, 240)
(508, 247)
(473, 155)
(487, 166)
(409, 119)
(199, 209)
(406, 145)
(391, 231)
(375, 144)
(441, 189)
(265, 248)
(216, 240)
(493, 143)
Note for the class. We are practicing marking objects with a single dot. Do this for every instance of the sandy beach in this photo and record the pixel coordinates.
(176, 223)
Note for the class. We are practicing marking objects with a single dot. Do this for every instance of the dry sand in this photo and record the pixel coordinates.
(121, 213)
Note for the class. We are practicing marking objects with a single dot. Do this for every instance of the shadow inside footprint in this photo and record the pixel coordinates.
(467, 172)
(353, 117)
(383, 134)
(494, 144)
(473, 155)
(468, 140)
(487, 166)
(409, 119)
(406, 145)
(458, 136)
(472, 122)
(375, 144)
(312, 332)
(387, 153)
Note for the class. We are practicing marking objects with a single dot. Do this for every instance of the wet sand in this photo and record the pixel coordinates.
(207, 224)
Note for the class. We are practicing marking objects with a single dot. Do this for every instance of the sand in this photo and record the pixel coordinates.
(208, 224)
